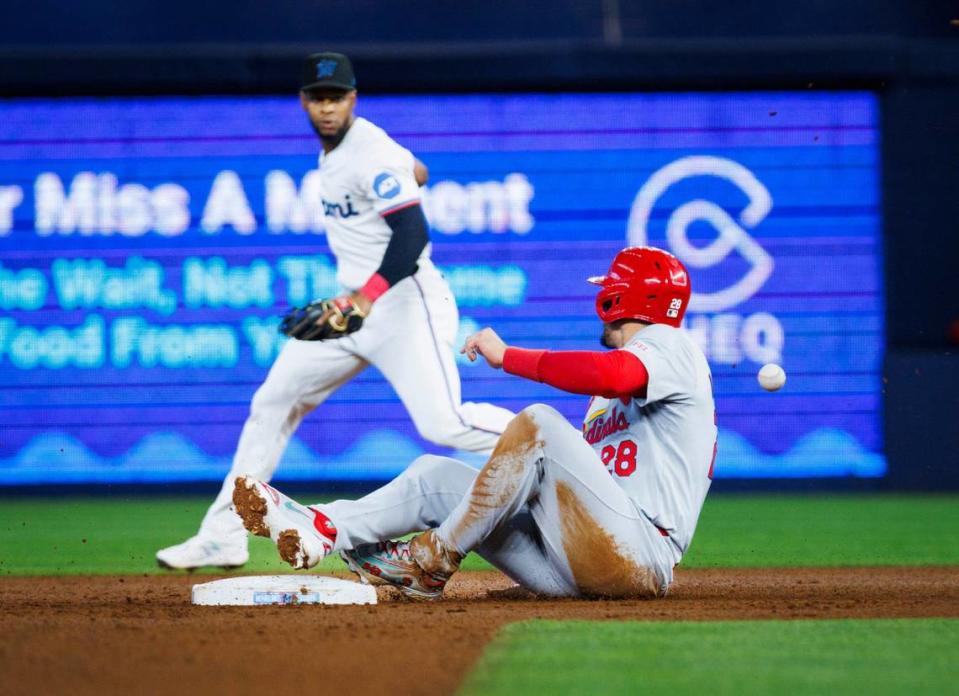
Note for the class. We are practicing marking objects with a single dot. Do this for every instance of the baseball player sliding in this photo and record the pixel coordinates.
(608, 511)
(396, 312)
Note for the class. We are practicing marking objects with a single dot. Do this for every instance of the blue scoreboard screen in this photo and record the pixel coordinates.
(148, 246)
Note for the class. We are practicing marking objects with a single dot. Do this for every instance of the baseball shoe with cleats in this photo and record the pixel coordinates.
(201, 551)
(406, 565)
(303, 536)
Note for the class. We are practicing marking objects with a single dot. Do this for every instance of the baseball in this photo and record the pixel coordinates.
(771, 377)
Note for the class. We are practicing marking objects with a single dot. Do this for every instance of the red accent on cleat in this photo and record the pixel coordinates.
(323, 525)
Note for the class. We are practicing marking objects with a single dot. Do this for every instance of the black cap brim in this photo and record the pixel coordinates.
(326, 84)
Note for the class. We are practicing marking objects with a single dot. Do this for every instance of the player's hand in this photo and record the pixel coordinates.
(325, 319)
(356, 302)
(361, 302)
(487, 344)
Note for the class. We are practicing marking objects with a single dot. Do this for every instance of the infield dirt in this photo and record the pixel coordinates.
(140, 634)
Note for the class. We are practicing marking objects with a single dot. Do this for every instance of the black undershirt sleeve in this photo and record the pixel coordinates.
(410, 237)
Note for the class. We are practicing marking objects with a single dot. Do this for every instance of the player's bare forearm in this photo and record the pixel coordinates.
(488, 344)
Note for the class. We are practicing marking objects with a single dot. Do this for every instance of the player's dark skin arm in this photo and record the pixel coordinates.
(420, 172)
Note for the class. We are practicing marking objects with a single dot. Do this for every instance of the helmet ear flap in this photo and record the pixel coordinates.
(611, 302)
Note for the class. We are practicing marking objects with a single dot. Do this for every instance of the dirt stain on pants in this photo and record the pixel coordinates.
(498, 480)
(599, 568)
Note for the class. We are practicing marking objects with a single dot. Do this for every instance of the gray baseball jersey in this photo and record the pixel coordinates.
(656, 447)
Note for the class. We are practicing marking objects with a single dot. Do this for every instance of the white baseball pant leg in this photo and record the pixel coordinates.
(304, 375)
(413, 346)
(409, 336)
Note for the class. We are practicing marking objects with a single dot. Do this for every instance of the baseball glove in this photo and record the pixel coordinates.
(323, 319)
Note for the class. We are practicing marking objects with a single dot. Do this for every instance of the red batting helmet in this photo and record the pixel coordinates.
(643, 283)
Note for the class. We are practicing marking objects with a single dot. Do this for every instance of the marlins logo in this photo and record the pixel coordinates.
(325, 68)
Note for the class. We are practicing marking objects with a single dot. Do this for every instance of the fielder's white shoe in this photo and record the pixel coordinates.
(303, 536)
(200, 551)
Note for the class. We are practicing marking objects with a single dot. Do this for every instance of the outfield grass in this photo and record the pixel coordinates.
(731, 657)
(120, 535)
(818, 530)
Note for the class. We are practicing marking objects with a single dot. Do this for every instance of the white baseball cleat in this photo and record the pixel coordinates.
(299, 532)
(200, 551)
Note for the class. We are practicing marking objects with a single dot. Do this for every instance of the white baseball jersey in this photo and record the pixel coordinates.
(366, 176)
(660, 449)
(409, 336)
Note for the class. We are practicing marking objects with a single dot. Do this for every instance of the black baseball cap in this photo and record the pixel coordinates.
(327, 69)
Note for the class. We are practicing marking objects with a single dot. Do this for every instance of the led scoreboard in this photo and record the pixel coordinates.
(148, 246)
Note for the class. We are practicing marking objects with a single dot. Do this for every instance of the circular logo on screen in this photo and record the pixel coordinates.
(386, 186)
(731, 233)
